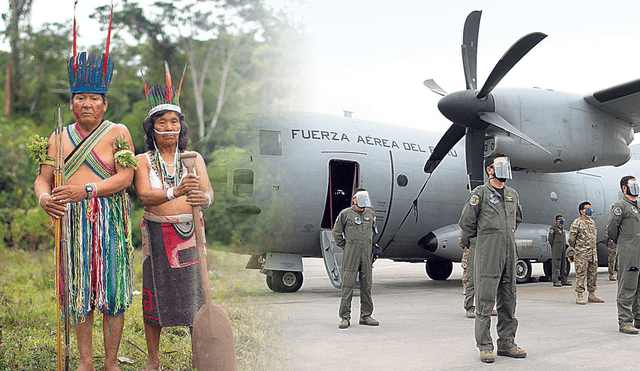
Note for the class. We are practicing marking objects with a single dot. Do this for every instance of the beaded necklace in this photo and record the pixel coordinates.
(160, 166)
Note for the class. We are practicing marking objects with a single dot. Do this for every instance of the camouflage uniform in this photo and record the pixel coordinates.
(558, 254)
(493, 221)
(582, 237)
(611, 248)
(353, 231)
(624, 229)
(468, 272)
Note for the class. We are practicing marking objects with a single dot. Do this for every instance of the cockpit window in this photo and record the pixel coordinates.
(270, 143)
(243, 183)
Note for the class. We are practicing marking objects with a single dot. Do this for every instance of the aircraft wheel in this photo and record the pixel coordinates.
(284, 281)
(439, 270)
(523, 271)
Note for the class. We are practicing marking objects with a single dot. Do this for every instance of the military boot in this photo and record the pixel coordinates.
(486, 356)
(611, 277)
(580, 300)
(593, 298)
(628, 330)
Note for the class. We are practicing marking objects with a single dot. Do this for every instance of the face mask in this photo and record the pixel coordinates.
(632, 187)
(588, 212)
(362, 199)
(502, 169)
(561, 221)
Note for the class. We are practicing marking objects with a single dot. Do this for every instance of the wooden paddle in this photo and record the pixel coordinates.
(212, 337)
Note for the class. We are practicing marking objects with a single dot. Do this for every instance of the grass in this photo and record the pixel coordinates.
(28, 313)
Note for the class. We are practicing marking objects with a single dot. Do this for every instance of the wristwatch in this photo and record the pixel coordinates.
(89, 189)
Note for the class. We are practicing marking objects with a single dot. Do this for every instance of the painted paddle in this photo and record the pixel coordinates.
(212, 337)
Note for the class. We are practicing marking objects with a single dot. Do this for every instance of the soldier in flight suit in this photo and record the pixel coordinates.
(558, 253)
(582, 237)
(611, 255)
(623, 228)
(492, 215)
(353, 231)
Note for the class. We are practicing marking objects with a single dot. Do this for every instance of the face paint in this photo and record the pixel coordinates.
(166, 132)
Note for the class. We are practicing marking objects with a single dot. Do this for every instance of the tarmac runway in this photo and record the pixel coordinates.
(423, 325)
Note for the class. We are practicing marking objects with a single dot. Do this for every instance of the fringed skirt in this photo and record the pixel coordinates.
(171, 289)
(100, 255)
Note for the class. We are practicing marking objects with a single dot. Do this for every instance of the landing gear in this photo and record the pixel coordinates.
(284, 281)
(523, 271)
(439, 270)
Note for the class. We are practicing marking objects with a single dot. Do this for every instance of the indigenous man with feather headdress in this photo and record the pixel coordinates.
(99, 165)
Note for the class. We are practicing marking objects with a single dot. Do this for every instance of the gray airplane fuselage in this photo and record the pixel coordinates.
(322, 158)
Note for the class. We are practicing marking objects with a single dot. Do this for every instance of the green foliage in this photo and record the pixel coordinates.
(28, 317)
(31, 229)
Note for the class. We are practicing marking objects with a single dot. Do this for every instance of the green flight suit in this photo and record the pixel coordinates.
(353, 231)
(558, 243)
(623, 228)
(493, 221)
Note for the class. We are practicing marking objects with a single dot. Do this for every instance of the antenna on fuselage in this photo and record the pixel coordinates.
(348, 113)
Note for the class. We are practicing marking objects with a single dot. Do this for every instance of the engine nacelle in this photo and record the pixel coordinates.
(578, 135)
(531, 242)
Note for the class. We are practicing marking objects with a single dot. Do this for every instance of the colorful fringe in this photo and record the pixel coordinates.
(100, 255)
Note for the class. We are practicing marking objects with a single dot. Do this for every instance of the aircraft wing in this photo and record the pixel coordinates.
(621, 101)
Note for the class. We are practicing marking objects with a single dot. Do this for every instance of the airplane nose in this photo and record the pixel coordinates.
(429, 242)
(463, 107)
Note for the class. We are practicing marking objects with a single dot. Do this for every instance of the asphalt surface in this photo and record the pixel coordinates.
(423, 325)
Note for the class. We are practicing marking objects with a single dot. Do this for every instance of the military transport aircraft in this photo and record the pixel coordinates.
(293, 173)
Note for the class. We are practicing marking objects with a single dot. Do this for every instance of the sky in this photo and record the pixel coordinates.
(372, 57)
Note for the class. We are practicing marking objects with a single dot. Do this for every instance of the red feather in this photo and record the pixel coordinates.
(181, 79)
(146, 89)
(75, 36)
(169, 94)
(105, 63)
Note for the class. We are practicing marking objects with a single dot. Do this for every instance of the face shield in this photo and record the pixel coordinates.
(362, 199)
(502, 168)
(633, 187)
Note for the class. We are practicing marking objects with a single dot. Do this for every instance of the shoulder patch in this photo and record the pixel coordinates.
(474, 200)
(617, 211)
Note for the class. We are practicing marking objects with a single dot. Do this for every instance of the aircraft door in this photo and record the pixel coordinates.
(343, 180)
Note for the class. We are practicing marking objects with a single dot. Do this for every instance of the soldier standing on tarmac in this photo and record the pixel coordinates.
(492, 214)
(582, 237)
(353, 231)
(622, 228)
(558, 253)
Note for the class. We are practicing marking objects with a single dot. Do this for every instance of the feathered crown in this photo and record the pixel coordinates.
(90, 73)
(163, 97)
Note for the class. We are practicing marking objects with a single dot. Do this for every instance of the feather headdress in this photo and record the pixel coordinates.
(88, 72)
(163, 97)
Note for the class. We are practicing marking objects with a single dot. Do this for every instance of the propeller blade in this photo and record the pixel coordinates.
(448, 140)
(499, 121)
(434, 87)
(474, 153)
(470, 49)
(509, 59)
